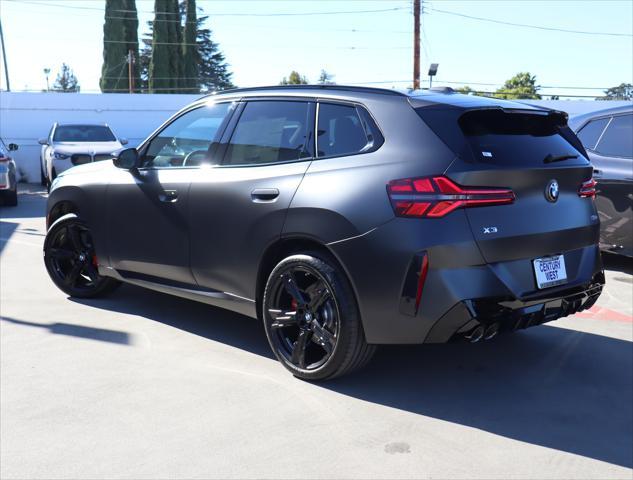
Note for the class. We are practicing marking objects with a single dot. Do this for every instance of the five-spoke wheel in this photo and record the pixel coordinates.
(311, 318)
(70, 259)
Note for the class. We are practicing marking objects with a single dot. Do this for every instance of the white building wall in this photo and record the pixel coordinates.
(26, 117)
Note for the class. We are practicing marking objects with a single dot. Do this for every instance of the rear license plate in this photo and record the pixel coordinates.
(550, 271)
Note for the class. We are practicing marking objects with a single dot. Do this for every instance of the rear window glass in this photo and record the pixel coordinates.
(83, 133)
(518, 139)
(590, 133)
(617, 140)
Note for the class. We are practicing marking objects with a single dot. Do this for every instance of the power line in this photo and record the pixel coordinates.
(524, 25)
(237, 14)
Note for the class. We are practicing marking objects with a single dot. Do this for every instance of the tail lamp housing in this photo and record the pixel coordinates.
(436, 197)
(588, 189)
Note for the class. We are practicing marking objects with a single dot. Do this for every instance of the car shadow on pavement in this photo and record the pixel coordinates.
(548, 386)
(81, 331)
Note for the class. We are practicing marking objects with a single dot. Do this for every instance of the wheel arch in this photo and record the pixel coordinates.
(285, 247)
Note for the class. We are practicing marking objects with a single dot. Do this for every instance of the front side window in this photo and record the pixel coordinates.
(617, 140)
(340, 131)
(590, 133)
(83, 133)
(186, 141)
(270, 132)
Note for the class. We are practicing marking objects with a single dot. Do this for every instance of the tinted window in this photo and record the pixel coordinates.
(340, 131)
(513, 139)
(590, 133)
(269, 132)
(83, 133)
(617, 140)
(186, 141)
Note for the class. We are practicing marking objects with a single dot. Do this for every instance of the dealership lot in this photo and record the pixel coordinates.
(143, 385)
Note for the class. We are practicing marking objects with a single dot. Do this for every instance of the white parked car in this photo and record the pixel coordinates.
(8, 177)
(70, 145)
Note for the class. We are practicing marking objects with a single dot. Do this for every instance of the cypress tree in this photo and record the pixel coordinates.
(159, 68)
(175, 46)
(113, 71)
(190, 56)
(131, 38)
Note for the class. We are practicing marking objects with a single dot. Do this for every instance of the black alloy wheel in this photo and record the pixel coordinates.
(311, 319)
(69, 256)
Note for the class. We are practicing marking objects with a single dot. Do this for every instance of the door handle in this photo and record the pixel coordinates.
(168, 196)
(264, 195)
(597, 173)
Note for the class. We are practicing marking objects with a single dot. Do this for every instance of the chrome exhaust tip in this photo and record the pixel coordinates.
(476, 335)
(491, 331)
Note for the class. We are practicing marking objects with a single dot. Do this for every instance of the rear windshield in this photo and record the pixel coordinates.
(83, 133)
(500, 137)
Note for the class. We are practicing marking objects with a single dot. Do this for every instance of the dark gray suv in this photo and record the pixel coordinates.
(343, 218)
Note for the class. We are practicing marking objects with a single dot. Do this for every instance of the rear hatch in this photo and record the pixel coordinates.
(527, 151)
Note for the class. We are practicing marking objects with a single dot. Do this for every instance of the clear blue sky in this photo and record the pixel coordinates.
(356, 48)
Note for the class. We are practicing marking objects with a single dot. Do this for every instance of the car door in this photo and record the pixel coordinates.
(612, 157)
(238, 208)
(147, 210)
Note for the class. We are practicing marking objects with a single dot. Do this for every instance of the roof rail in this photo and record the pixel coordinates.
(343, 88)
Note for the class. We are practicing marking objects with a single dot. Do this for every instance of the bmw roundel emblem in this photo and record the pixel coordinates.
(552, 191)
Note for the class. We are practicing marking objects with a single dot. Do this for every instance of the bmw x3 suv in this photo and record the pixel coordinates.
(342, 218)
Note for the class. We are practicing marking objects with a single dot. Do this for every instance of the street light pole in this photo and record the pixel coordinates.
(416, 44)
(46, 72)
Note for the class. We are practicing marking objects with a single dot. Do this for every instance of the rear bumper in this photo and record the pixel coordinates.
(460, 285)
(507, 314)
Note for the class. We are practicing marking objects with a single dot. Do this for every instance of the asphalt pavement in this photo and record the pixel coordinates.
(145, 385)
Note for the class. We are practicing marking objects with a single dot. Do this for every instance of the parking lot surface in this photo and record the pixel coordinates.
(144, 385)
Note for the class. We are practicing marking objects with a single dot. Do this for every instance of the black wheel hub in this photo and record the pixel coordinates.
(303, 317)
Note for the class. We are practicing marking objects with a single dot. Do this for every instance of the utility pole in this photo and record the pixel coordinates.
(416, 44)
(4, 58)
(130, 70)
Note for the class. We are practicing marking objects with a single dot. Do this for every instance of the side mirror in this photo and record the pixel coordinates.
(13, 147)
(123, 141)
(127, 159)
(43, 141)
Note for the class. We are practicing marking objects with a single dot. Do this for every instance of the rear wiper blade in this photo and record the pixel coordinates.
(551, 158)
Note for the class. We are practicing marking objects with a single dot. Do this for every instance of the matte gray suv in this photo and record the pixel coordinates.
(342, 217)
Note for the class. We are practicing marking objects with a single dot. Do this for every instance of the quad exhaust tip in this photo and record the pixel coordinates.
(483, 332)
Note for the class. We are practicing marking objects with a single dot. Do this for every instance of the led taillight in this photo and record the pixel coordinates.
(588, 189)
(435, 197)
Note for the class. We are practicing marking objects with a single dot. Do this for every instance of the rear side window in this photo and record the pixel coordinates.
(590, 133)
(345, 130)
(617, 140)
(518, 139)
(270, 132)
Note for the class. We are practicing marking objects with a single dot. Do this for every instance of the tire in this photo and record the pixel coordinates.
(70, 260)
(312, 320)
(10, 198)
(43, 180)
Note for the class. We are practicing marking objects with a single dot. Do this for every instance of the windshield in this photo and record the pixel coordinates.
(83, 133)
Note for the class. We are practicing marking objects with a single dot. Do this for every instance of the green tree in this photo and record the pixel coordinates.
(522, 85)
(466, 90)
(326, 78)
(66, 82)
(190, 56)
(213, 73)
(120, 36)
(624, 91)
(165, 65)
(295, 78)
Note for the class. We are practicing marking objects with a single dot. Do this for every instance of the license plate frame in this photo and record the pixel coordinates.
(550, 271)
